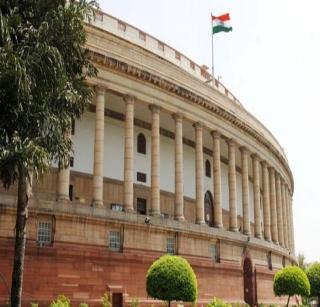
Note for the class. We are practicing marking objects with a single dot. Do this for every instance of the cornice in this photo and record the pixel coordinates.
(178, 90)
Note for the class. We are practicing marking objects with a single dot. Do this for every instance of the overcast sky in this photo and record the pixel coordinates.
(270, 62)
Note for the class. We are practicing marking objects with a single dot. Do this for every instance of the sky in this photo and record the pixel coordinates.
(270, 62)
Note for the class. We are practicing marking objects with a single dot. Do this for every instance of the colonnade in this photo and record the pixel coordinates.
(276, 195)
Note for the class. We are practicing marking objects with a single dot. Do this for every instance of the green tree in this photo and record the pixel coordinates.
(302, 262)
(171, 278)
(43, 68)
(313, 274)
(290, 281)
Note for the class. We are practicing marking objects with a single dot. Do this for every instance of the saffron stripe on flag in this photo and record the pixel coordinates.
(224, 17)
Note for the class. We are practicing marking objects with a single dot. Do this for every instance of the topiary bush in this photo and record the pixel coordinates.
(313, 273)
(216, 302)
(105, 302)
(290, 281)
(62, 301)
(171, 278)
(83, 305)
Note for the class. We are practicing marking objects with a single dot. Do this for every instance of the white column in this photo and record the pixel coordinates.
(266, 203)
(285, 216)
(199, 175)
(155, 160)
(245, 191)
(279, 209)
(256, 196)
(218, 223)
(128, 153)
(179, 215)
(273, 207)
(98, 148)
(233, 216)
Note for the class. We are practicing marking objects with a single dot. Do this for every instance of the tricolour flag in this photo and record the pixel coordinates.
(221, 23)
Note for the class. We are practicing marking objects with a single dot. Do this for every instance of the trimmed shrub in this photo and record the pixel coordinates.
(105, 302)
(290, 281)
(83, 304)
(62, 301)
(313, 274)
(34, 304)
(216, 302)
(171, 278)
(135, 303)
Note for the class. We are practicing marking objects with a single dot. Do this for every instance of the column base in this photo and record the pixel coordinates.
(63, 198)
(259, 236)
(235, 229)
(130, 210)
(97, 203)
(180, 218)
(247, 233)
(219, 226)
(154, 213)
(200, 222)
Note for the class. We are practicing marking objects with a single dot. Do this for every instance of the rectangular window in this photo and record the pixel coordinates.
(122, 26)
(116, 207)
(141, 206)
(44, 234)
(142, 36)
(192, 65)
(71, 192)
(141, 177)
(161, 46)
(178, 55)
(71, 162)
(114, 240)
(213, 250)
(171, 246)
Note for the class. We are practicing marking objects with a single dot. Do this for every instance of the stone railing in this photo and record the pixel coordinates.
(147, 41)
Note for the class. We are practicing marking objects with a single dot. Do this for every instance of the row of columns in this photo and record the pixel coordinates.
(277, 203)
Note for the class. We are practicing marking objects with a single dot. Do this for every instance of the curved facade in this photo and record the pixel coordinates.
(165, 161)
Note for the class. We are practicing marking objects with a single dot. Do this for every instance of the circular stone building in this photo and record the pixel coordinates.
(164, 161)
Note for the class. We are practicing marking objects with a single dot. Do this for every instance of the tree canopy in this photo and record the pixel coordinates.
(43, 69)
(171, 278)
(290, 281)
(313, 273)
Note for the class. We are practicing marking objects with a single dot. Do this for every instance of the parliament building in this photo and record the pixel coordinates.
(165, 160)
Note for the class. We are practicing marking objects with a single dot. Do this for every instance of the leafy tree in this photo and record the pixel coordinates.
(313, 274)
(43, 68)
(171, 278)
(302, 262)
(290, 281)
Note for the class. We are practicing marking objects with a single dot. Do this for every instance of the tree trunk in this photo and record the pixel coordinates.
(319, 301)
(288, 301)
(169, 305)
(20, 239)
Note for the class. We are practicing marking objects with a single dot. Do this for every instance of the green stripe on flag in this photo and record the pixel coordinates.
(220, 28)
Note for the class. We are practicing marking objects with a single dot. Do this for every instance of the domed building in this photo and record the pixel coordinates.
(165, 161)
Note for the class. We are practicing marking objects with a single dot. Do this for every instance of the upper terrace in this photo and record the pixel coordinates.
(147, 41)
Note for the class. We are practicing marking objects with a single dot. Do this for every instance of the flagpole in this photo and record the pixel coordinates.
(212, 52)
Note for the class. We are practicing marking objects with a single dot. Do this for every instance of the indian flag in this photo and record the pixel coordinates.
(221, 23)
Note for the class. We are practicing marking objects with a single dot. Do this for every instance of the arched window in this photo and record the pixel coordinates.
(208, 169)
(208, 208)
(141, 144)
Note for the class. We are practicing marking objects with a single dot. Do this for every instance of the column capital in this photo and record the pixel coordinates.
(129, 99)
(255, 156)
(232, 142)
(154, 108)
(243, 149)
(215, 134)
(264, 163)
(99, 89)
(198, 125)
(178, 116)
(271, 170)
